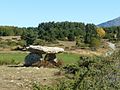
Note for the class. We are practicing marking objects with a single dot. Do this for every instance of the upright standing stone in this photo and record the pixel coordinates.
(51, 57)
(32, 58)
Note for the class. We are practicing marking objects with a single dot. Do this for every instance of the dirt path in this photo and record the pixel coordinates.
(22, 78)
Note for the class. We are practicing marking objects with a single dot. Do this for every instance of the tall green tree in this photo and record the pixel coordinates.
(90, 32)
(29, 36)
(118, 33)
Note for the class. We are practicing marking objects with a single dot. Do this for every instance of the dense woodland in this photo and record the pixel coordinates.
(71, 31)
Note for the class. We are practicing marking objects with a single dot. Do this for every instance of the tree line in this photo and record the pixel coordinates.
(71, 31)
(113, 33)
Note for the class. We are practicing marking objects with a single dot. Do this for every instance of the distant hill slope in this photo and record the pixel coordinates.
(114, 22)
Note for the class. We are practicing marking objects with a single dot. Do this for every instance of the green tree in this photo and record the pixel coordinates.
(71, 37)
(90, 32)
(118, 34)
(29, 36)
(39, 42)
(78, 41)
(22, 43)
(95, 42)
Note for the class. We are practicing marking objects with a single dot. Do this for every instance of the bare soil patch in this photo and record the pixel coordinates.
(22, 78)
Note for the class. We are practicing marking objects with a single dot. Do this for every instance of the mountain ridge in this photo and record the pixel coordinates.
(110, 23)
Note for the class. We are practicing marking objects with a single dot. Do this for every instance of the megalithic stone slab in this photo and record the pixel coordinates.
(45, 49)
(37, 51)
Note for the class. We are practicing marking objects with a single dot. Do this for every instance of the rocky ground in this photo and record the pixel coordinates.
(22, 78)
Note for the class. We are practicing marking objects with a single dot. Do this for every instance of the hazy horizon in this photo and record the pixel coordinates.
(29, 13)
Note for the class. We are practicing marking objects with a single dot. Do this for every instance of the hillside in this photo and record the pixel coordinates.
(114, 22)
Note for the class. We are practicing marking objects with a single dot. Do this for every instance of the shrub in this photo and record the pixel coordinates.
(36, 86)
(95, 42)
(39, 42)
(11, 43)
(22, 43)
(91, 73)
(98, 73)
(95, 73)
(9, 62)
(71, 69)
(8, 42)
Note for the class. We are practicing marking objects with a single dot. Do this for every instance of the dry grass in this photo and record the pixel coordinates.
(86, 52)
(22, 78)
(10, 37)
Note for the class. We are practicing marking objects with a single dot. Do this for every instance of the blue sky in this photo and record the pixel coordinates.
(32, 12)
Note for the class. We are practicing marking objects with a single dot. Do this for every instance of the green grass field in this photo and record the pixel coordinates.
(68, 58)
(12, 57)
(9, 58)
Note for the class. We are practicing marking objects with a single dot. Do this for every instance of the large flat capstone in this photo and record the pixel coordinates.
(45, 49)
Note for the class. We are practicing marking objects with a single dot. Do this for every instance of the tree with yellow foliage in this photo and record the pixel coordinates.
(100, 32)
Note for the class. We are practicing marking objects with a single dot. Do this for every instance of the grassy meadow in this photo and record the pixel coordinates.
(12, 58)
(68, 58)
(18, 57)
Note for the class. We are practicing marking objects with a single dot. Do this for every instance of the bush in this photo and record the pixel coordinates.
(97, 73)
(4, 46)
(92, 73)
(22, 43)
(11, 43)
(71, 37)
(39, 42)
(71, 69)
(9, 62)
(95, 42)
(8, 42)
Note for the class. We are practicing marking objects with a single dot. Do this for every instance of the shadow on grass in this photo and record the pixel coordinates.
(16, 66)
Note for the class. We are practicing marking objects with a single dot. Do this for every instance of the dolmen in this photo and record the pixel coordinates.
(36, 54)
